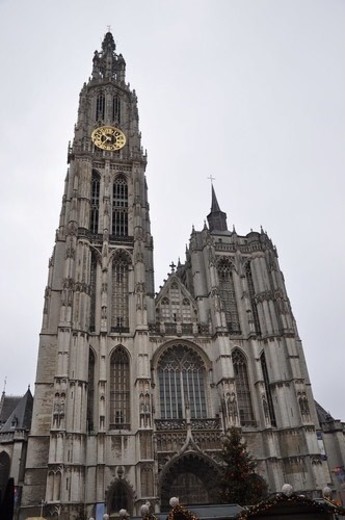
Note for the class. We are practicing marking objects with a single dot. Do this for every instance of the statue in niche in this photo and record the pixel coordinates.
(232, 405)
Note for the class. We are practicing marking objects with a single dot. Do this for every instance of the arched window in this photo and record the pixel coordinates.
(93, 290)
(91, 392)
(119, 390)
(116, 109)
(119, 314)
(304, 406)
(242, 388)
(181, 374)
(268, 390)
(228, 296)
(251, 291)
(95, 185)
(100, 106)
(119, 226)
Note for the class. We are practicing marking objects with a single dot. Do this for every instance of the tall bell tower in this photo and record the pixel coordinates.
(134, 391)
(97, 307)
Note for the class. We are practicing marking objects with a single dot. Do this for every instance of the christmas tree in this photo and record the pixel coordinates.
(239, 484)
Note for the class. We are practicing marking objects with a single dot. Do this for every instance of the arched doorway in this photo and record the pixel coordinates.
(119, 496)
(192, 478)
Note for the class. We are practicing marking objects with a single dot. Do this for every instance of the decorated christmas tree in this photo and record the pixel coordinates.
(239, 483)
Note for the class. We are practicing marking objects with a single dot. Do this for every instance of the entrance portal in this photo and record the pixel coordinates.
(192, 478)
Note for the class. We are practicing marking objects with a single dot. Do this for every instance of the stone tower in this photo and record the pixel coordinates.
(134, 390)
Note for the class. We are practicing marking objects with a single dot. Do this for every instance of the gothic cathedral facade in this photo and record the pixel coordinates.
(135, 389)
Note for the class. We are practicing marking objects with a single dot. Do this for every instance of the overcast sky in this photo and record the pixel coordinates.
(248, 91)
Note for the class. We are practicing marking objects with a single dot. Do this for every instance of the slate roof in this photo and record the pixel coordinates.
(323, 416)
(20, 418)
(7, 405)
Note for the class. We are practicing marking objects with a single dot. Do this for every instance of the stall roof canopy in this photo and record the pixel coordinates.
(279, 504)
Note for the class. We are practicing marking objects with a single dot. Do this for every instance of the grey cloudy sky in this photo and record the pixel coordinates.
(250, 91)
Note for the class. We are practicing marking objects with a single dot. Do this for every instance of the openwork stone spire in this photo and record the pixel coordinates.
(108, 64)
(217, 218)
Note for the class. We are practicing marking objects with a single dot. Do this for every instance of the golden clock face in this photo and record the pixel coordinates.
(108, 138)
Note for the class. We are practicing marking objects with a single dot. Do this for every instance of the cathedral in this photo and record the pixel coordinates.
(135, 389)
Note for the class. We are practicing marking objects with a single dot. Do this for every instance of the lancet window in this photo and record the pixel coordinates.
(181, 374)
(242, 388)
(93, 290)
(119, 314)
(251, 291)
(119, 417)
(100, 106)
(116, 109)
(228, 296)
(91, 391)
(120, 207)
(268, 390)
(94, 214)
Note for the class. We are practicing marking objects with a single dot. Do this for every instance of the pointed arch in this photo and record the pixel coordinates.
(242, 387)
(120, 293)
(119, 223)
(191, 477)
(120, 496)
(251, 291)
(93, 289)
(100, 106)
(228, 295)
(95, 193)
(182, 383)
(116, 108)
(119, 416)
(91, 392)
(268, 389)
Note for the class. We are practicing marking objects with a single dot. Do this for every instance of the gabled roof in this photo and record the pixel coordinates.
(20, 418)
(173, 278)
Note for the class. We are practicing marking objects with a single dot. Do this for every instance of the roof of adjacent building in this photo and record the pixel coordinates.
(7, 405)
(323, 416)
(18, 411)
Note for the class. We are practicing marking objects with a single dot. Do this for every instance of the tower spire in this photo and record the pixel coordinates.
(106, 63)
(217, 218)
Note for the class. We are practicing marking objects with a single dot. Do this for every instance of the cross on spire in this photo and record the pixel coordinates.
(211, 178)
